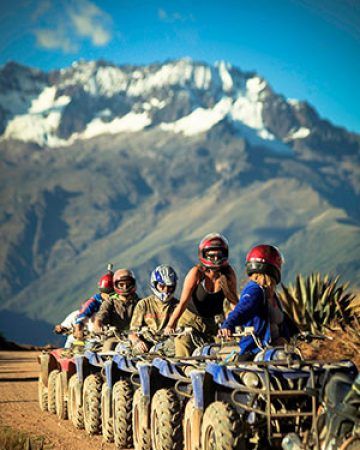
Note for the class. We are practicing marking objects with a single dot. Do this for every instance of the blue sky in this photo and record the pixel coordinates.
(306, 49)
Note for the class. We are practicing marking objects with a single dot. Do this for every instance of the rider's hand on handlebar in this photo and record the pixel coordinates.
(58, 329)
(78, 333)
(225, 333)
(140, 346)
(168, 330)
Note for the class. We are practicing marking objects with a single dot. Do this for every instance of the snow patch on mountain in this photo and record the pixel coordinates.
(42, 121)
(255, 86)
(300, 133)
(226, 78)
(131, 122)
(154, 103)
(47, 101)
(111, 80)
(294, 102)
(180, 73)
(36, 128)
(246, 108)
(199, 120)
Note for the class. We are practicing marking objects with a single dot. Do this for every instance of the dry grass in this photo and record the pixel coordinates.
(11, 439)
(344, 345)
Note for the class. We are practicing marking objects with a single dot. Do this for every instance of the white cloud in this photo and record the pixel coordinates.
(66, 29)
(90, 21)
(51, 39)
(174, 17)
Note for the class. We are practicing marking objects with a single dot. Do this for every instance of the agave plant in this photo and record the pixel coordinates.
(317, 303)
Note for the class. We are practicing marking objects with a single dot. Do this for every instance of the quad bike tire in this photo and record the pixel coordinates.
(192, 426)
(140, 421)
(166, 421)
(221, 428)
(52, 391)
(42, 395)
(106, 418)
(60, 396)
(75, 410)
(92, 404)
(122, 408)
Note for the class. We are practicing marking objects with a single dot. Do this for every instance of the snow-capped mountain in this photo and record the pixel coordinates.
(135, 164)
(93, 98)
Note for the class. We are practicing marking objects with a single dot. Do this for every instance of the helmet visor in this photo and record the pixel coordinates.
(165, 288)
(124, 285)
(215, 255)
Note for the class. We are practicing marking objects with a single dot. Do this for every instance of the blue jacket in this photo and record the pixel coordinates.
(251, 311)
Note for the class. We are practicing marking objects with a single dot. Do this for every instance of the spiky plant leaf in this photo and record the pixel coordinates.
(315, 303)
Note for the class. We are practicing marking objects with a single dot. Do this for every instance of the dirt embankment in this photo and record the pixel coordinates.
(19, 406)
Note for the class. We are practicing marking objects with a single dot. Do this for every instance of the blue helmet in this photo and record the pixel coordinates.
(161, 277)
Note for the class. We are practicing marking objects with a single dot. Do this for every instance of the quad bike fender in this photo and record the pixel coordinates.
(108, 369)
(108, 366)
(144, 375)
(197, 381)
(48, 363)
(79, 364)
(145, 386)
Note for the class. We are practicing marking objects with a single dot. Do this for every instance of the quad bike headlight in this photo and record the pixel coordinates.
(250, 379)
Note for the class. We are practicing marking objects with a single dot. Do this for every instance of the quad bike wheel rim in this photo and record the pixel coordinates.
(210, 439)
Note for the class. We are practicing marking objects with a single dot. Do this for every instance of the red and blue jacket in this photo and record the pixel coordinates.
(89, 308)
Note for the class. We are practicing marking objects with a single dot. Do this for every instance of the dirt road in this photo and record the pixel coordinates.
(19, 406)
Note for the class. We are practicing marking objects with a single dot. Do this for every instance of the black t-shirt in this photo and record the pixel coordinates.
(206, 304)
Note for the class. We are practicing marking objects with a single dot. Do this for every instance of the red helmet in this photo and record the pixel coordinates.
(105, 284)
(124, 282)
(214, 241)
(265, 259)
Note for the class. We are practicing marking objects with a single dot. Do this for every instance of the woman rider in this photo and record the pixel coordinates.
(205, 288)
(259, 306)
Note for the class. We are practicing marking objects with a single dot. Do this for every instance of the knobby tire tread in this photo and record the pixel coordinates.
(92, 404)
(122, 401)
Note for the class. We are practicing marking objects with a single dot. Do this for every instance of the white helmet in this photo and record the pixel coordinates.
(165, 276)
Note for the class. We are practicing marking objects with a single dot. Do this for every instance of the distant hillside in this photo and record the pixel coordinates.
(136, 164)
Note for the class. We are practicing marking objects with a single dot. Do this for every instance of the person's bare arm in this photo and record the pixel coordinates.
(190, 283)
(228, 285)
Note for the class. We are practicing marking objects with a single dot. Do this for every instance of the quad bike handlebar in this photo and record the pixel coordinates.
(308, 337)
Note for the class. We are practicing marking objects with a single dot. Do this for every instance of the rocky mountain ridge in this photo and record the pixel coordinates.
(92, 98)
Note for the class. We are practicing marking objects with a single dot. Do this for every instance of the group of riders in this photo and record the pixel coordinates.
(208, 292)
